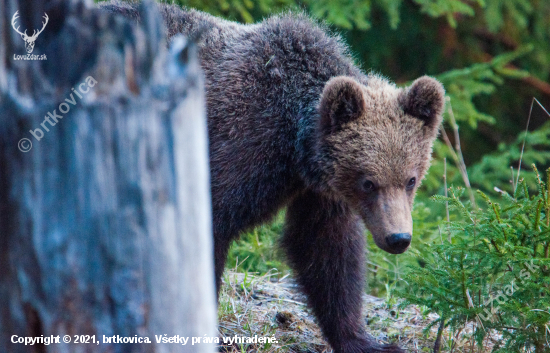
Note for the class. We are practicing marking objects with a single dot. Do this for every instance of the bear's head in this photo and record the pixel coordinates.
(375, 144)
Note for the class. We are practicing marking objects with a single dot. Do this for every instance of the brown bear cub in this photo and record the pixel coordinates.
(293, 122)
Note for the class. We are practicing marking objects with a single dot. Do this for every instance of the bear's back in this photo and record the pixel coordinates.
(286, 55)
(277, 67)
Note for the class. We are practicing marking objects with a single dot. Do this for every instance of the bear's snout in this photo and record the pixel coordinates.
(398, 242)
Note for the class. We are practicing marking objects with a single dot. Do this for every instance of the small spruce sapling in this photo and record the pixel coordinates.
(495, 274)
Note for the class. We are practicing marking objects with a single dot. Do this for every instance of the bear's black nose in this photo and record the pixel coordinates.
(398, 242)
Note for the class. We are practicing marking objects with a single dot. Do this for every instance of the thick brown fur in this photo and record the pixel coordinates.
(293, 122)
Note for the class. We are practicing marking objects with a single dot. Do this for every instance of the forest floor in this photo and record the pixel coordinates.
(268, 306)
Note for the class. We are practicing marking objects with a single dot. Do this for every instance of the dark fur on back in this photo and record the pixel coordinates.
(263, 86)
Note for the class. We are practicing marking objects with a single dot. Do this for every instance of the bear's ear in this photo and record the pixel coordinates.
(424, 99)
(342, 101)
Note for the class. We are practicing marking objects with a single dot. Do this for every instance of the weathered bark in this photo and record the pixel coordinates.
(105, 225)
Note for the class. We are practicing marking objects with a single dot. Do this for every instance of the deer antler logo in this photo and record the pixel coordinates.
(29, 40)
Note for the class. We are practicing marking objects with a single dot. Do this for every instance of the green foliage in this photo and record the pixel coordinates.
(447, 8)
(356, 13)
(344, 14)
(246, 11)
(462, 85)
(257, 251)
(494, 272)
(500, 11)
(494, 169)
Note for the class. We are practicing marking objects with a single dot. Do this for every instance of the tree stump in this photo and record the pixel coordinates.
(105, 220)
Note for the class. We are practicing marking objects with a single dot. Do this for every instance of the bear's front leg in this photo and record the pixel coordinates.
(325, 246)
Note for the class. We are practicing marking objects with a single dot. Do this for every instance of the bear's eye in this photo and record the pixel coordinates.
(411, 183)
(368, 186)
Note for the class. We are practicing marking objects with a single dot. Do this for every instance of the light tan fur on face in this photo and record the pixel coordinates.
(388, 147)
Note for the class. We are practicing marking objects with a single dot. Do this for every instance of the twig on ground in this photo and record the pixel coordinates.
(437, 343)
(268, 299)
